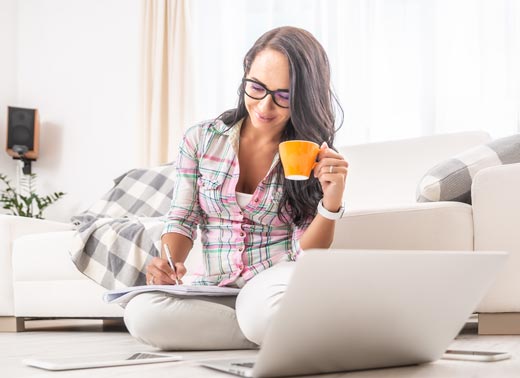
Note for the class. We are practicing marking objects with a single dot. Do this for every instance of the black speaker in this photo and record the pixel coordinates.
(23, 133)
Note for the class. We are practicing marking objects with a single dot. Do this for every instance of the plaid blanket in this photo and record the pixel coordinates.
(118, 236)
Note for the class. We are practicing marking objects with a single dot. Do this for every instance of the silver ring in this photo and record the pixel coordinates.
(331, 167)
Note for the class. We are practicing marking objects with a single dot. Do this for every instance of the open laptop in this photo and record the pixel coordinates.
(362, 309)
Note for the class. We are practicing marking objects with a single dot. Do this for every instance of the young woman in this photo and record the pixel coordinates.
(253, 222)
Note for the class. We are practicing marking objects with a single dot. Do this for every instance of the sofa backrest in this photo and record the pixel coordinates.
(387, 173)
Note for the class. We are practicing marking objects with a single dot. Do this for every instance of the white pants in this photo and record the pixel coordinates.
(209, 323)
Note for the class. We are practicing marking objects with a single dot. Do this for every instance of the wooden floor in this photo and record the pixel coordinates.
(76, 338)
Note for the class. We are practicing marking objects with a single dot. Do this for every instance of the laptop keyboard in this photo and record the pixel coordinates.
(244, 364)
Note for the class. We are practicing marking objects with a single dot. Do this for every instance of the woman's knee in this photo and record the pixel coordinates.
(142, 317)
(260, 298)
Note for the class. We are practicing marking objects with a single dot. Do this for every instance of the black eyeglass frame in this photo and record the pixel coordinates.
(267, 92)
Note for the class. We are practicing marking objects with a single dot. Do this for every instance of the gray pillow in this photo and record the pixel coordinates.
(451, 179)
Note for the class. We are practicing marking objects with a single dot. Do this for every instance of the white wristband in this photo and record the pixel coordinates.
(329, 214)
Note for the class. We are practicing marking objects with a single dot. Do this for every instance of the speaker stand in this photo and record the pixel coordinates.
(25, 165)
(26, 169)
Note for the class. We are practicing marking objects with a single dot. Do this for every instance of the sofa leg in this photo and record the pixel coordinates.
(113, 324)
(500, 323)
(12, 324)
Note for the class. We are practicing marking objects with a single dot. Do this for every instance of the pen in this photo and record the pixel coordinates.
(170, 261)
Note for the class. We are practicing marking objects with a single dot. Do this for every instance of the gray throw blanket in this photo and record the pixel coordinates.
(118, 236)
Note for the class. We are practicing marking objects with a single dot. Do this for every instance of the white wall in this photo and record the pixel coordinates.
(8, 22)
(78, 63)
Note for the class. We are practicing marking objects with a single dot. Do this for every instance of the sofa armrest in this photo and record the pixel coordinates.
(19, 226)
(12, 227)
(496, 208)
(421, 226)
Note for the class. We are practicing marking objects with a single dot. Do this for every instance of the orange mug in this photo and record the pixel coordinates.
(298, 158)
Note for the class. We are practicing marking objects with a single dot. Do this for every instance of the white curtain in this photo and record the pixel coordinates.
(401, 68)
(166, 79)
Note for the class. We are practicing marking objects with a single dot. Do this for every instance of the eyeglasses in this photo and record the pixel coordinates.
(258, 91)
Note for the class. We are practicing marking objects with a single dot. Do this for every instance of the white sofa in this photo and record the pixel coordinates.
(37, 278)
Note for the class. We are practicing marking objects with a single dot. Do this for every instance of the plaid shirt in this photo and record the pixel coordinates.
(237, 243)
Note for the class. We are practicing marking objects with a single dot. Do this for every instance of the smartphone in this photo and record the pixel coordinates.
(475, 355)
(105, 360)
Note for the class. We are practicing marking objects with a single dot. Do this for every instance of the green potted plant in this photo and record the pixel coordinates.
(25, 202)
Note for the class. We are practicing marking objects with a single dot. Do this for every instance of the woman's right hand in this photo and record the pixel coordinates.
(159, 272)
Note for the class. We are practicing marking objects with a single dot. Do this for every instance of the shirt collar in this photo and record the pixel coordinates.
(234, 135)
(233, 132)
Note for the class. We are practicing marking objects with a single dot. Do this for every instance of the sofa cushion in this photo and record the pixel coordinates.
(46, 283)
(451, 179)
(384, 173)
(414, 226)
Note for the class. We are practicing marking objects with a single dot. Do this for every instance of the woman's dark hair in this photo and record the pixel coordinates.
(312, 105)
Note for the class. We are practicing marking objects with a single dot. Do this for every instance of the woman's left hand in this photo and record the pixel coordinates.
(331, 171)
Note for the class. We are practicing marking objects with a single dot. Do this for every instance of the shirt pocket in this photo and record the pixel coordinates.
(272, 201)
(211, 198)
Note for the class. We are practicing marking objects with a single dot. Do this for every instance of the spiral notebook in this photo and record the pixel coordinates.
(124, 295)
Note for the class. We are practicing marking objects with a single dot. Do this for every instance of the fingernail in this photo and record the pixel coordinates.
(173, 277)
(324, 144)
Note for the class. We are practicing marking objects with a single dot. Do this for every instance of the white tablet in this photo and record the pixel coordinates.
(86, 362)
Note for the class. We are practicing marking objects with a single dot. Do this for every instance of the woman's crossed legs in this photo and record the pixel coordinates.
(209, 323)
